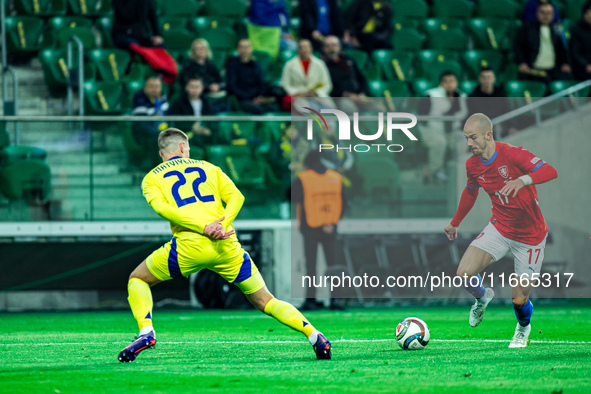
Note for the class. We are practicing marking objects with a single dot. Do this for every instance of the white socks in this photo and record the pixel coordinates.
(313, 337)
(147, 330)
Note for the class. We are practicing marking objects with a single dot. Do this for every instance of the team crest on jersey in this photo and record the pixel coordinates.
(504, 171)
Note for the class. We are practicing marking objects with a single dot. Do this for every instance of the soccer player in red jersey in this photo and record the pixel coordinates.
(509, 175)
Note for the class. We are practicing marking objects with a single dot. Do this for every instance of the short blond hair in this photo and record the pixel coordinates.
(203, 42)
(169, 139)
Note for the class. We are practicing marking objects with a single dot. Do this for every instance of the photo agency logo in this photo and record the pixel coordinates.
(344, 130)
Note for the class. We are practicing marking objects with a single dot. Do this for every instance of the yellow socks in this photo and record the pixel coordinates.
(140, 300)
(290, 316)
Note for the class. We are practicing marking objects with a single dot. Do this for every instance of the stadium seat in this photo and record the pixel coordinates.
(452, 8)
(294, 26)
(359, 57)
(393, 64)
(104, 25)
(222, 38)
(414, 9)
(138, 155)
(427, 58)
(476, 59)
(275, 128)
(266, 61)
(13, 153)
(491, 33)
(506, 9)
(237, 133)
(227, 8)
(201, 24)
(451, 38)
(111, 64)
(239, 163)
(23, 36)
(91, 7)
(436, 25)
(420, 86)
(4, 137)
(41, 7)
(59, 23)
(409, 39)
(181, 8)
(573, 9)
(103, 98)
(402, 24)
(178, 40)
(558, 86)
(383, 185)
(436, 69)
(55, 70)
(525, 89)
(169, 23)
(468, 86)
(388, 89)
(29, 179)
(83, 33)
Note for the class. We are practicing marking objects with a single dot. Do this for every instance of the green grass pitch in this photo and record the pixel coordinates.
(247, 352)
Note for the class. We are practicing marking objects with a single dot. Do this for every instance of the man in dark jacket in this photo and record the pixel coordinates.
(132, 20)
(245, 80)
(369, 24)
(580, 44)
(320, 18)
(539, 50)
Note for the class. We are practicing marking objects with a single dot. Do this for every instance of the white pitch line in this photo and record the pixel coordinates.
(291, 341)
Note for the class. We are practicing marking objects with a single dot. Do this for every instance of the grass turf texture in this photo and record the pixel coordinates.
(205, 351)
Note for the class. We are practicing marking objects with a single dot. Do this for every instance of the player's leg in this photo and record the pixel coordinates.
(140, 296)
(528, 264)
(488, 247)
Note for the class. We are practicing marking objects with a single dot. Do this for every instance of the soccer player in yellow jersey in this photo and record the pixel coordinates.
(189, 194)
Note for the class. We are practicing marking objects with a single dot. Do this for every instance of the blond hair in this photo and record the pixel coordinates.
(203, 42)
(169, 139)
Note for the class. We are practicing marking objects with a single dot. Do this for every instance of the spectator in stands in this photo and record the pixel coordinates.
(193, 103)
(581, 45)
(320, 202)
(149, 102)
(539, 50)
(490, 99)
(245, 80)
(305, 76)
(199, 65)
(530, 12)
(320, 18)
(369, 24)
(444, 100)
(347, 80)
(136, 28)
(273, 13)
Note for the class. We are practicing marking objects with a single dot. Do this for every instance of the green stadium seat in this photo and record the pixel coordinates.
(402, 24)
(452, 39)
(491, 33)
(414, 9)
(169, 23)
(55, 70)
(91, 7)
(558, 86)
(59, 23)
(409, 39)
(23, 36)
(4, 137)
(202, 24)
(41, 7)
(359, 57)
(382, 185)
(393, 64)
(138, 155)
(178, 40)
(227, 8)
(573, 9)
(266, 61)
(25, 179)
(239, 163)
(436, 25)
(525, 89)
(388, 89)
(275, 128)
(476, 59)
(13, 153)
(468, 86)
(427, 58)
(103, 98)
(85, 34)
(452, 8)
(420, 86)
(237, 133)
(223, 38)
(182, 8)
(294, 26)
(104, 25)
(111, 64)
(436, 69)
(506, 9)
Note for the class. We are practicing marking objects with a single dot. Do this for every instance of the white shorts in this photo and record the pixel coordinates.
(528, 258)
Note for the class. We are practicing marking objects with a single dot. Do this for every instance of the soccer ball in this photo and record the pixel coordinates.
(412, 334)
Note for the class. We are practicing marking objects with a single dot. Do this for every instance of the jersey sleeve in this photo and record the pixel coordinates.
(472, 180)
(229, 194)
(525, 160)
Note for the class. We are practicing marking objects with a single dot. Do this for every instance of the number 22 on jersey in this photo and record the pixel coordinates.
(201, 178)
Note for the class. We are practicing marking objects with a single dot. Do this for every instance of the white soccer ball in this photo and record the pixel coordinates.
(412, 334)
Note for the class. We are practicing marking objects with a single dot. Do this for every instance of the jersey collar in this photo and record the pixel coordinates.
(489, 161)
(178, 157)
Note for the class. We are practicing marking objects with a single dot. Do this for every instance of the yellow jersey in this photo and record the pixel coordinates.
(189, 194)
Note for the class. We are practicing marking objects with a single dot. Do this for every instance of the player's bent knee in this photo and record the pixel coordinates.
(519, 302)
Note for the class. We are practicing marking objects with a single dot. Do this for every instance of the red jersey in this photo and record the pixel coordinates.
(517, 218)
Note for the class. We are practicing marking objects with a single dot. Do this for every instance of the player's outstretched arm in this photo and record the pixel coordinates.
(229, 194)
(467, 201)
